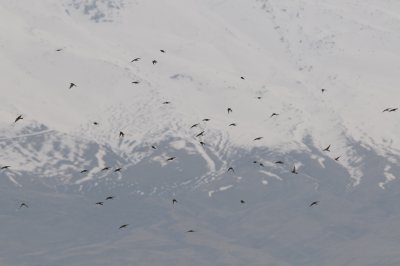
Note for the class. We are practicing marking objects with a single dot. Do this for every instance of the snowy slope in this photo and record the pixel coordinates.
(286, 52)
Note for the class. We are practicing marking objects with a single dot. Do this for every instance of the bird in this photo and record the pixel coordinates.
(5, 167)
(166, 102)
(118, 169)
(229, 110)
(171, 158)
(258, 138)
(327, 148)
(202, 143)
(162, 51)
(174, 201)
(322, 90)
(294, 171)
(200, 134)
(231, 169)
(59, 50)
(242, 201)
(18, 118)
(23, 205)
(279, 162)
(393, 109)
(121, 134)
(110, 197)
(261, 164)
(99, 203)
(95, 123)
(255, 162)
(123, 226)
(259, 97)
(84, 171)
(135, 60)
(105, 168)
(232, 125)
(386, 110)
(274, 114)
(195, 125)
(154, 62)
(71, 85)
(190, 231)
(136, 82)
(337, 158)
(314, 203)
(242, 77)
(153, 147)
(206, 119)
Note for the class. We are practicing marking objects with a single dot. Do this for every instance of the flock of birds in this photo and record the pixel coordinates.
(230, 169)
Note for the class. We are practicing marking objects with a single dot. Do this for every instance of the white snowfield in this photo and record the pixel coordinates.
(328, 69)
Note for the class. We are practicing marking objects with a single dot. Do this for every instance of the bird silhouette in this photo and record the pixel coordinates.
(84, 171)
(255, 162)
(258, 138)
(337, 158)
(202, 143)
(229, 110)
(294, 171)
(135, 60)
(322, 90)
(105, 168)
(190, 231)
(279, 162)
(171, 159)
(242, 77)
(386, 110)
(23, 205)
(121, 134)
(195, 125)
(206, 119)
(200, 134)
(5, 167)
(153, 147)
(18, 118)
(274, 114)
(123, 226)
(232, 125)
(242, 201)
(231, 169)
(118, 169)
(314, 203)
(154, 62)
(95, 123)
(59, 50)
(162, 51)
(259, 97)
(136, 82)
(166, 102)
(110, 197)
(261, 164)
(174, 201)
(393, 109)
(327, 148)
(71, 85)
(99, 203)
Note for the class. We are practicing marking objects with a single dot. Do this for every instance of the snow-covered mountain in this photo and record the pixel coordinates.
(327, 68)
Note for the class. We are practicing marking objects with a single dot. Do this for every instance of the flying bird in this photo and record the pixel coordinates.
(190, 231)
(135, 60)
(255, 162)
(95, 123)
(393, 109)
(174, 201)
(154, 62)
(84, 171)
(123, 226)
(166, 102)
(200, 134)
(242, 201)
(118, 169)
(99, 203)
(153, 147)
(195, 125)
(314, 203)
(110, 198)
(274, 114)
(231, 169)
(71, 85)
(232, 125)
(279, 162)
(327, 148)
(18, 118)
(59, 50)
(242, 77)
(121, 134)
(261, 164)
(206, 119)
(259, 97)
(5, 167)
(202, 143)
(229, 110)
(258, 138)
(23, 205)
(171, 158)
(162, 51)
(322, 90)
(136, 82)
(337, 158)
(294, 171)
(105, 168)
